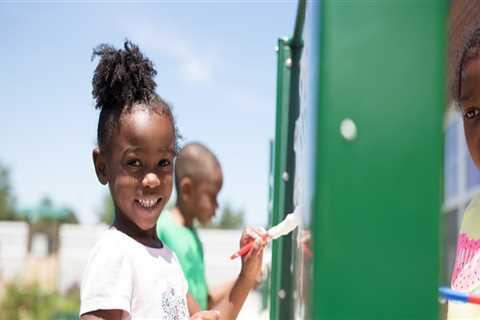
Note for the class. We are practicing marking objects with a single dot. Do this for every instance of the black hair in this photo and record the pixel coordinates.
(123, 78)
(470, 51)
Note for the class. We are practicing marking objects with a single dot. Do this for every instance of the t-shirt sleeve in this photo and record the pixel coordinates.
(107, 282)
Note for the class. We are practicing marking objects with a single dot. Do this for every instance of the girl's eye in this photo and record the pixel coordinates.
(472, 113)
(134, 163)
(164, 163)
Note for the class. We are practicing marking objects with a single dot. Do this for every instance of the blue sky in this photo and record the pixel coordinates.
(216, 66)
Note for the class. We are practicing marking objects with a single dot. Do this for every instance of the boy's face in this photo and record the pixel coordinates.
(470, 101)
(204, 196)
(139, 165)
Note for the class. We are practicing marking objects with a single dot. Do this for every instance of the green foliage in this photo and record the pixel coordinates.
(7, 211)
(71, 217)
(47, 212)
(230, 218)
(31, 303)
(108, 210)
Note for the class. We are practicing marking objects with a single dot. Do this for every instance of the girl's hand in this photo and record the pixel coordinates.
(206, 315)
(252, 261)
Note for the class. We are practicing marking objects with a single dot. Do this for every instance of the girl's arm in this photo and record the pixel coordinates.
(230, 306)
(217, 294)
(102, 315)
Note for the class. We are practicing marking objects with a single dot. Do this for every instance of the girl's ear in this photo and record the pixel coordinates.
(100, 166)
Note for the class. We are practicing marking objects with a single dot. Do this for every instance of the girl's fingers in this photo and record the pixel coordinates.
(253, 249)
(263, 235)
(247, 235)
(254, 233)
(257, 236)
(214, 315)
(257, 247)
(206, 315)
(261, 230)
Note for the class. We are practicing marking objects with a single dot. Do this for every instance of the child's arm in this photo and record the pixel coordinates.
(218, 293)
(192, 304)
(215, 296)
(102, 315)
(230, 306)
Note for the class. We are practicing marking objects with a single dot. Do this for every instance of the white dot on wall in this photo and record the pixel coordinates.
(348, 129)
(288, 63)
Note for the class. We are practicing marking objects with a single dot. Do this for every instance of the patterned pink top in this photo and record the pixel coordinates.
(467, 250)
(466, 271)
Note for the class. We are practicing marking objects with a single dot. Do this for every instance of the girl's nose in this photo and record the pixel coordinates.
(150, 180)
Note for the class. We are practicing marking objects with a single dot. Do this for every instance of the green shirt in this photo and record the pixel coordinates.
(186, 245)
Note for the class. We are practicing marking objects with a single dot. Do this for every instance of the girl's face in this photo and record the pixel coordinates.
(139, 165)
(470, 101)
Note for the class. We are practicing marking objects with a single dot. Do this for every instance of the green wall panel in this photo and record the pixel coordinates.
(377, 198)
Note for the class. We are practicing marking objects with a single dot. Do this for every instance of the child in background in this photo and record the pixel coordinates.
(466, 272)
(130, 274)
(198, 180)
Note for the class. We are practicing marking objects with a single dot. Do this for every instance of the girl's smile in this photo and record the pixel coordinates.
(146, 207)
(148, 203)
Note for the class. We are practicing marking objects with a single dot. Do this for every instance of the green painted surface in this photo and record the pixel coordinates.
(281, 147)
(283, 275)
(377, 199)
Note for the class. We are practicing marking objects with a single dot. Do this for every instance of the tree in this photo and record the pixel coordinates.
(71, 217)
(46, 211)
(108, 210)
(32, 302)
(7, 211)
(230, 218)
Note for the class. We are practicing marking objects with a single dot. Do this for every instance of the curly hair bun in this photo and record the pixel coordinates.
(123, 77)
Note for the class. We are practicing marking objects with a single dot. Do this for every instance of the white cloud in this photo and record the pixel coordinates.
(195, 64)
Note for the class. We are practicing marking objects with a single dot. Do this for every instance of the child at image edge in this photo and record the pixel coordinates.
(466, 271)
(130, 274)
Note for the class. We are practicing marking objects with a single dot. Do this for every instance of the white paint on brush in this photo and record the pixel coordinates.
(286, 226)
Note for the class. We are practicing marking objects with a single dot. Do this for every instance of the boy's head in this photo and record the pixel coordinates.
(198, 180)
(468, 94)
(137, 137)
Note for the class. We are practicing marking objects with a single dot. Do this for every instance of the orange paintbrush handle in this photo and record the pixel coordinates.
(246, 248)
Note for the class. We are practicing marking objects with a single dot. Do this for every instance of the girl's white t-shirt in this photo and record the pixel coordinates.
(144, 282)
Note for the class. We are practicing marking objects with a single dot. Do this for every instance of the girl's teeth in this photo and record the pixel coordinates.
(147, 203)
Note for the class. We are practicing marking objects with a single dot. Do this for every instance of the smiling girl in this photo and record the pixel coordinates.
(130, 274)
